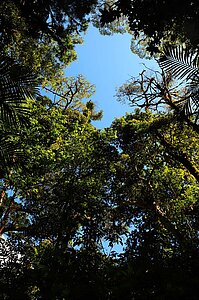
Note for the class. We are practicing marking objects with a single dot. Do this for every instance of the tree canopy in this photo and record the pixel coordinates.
(157, 20)
(42, 34)
(70, 193)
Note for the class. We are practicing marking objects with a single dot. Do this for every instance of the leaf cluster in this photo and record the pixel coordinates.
(157, 20)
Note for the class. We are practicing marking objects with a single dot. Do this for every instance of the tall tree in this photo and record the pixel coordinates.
(79, 187)
(76, 191)
(56, 200)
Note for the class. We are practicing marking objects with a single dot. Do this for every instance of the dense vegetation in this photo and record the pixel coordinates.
(71, 192)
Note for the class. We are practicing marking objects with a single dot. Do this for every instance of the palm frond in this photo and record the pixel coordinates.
(8, 150)
(11, 150)
(181, 62)
(17, 83)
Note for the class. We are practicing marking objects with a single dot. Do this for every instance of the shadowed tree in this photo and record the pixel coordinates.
(157, 21)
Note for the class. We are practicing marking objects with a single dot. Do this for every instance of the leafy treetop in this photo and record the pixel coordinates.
(42, 34)
(157, 20)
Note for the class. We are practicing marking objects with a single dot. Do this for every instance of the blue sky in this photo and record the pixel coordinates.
(107, 62)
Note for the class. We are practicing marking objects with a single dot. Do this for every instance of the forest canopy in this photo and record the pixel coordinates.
(71, 192)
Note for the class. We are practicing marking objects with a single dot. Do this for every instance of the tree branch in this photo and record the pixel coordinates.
(180, 156)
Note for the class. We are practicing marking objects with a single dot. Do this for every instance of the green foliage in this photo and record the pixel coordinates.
(156, 21)
(42, 34)
(72, 192)
(78, 187)
(159, 198)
